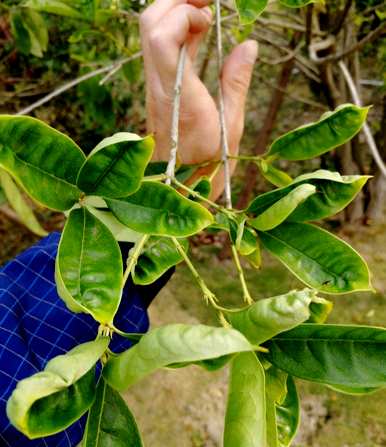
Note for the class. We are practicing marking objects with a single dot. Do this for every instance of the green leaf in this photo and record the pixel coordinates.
(16, 200)
(110, 422)
(89, 267)
(160, 210)
(349, 356)
(166, 345)
(116, 166)
(358, 391)
(50, 401)
(320, 309)
(245, 424)
(249, 10)
(280, 210)
(268, 317)
(318, 258)
(288, 415)
(44, 161)
(274, 175)
(333, 193)
(298, 3)
(121, 232)
(202, 186)
(159, 255)
(61, 8)
(20, 32)
(37, 30)
(312, 140)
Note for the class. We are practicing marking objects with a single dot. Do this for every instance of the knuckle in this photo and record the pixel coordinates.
(238, 82)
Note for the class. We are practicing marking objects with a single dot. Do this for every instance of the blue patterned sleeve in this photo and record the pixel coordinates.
(35, 326)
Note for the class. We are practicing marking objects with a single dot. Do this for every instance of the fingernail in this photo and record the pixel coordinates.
(250, 51)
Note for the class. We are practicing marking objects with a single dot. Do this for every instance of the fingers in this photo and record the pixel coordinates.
(172, 31)
(151, 16)
(235, 79)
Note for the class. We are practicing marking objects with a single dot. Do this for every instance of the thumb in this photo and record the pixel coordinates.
(235, 79)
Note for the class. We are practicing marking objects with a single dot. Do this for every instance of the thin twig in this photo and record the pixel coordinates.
(68, 85)
(246, 294)
(176, 117)
(224, 135)
(133, 257)
(366, 129)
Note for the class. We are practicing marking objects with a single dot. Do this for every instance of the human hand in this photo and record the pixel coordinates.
(165, 26)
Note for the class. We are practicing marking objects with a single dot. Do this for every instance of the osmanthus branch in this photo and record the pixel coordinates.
(174, 134)
(366, 129)
(73, 83)
(225, 147)
(134, 254)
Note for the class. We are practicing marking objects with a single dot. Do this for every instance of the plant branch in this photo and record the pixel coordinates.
(68, 85)
(224, 135)
(209, 296)
(366, 129)
(246, 294)
(133, 257)
(176, 116)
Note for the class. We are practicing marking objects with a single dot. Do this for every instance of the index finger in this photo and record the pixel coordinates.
(160, 8)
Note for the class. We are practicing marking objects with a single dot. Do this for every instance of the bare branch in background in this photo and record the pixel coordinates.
(69, 85)
(366, 129)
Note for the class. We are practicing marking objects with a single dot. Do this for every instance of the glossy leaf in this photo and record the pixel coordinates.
(245, 423)
(334, 193)
(268, 317)
(320, 309)
(58, 7)
(280, 210)
(288, 415)
(249, 10)
(166, 345)
(332, 130)
(121, 232)
(44, 161)
(17, 202)
(110, 422)
(116, 166)
(349, 356)
(275, 392)
(202, 186)
(159, 255)
(297, 3)
(160, 210)
(274, 175)
(51, 400)
(89, 267)
(317, 258)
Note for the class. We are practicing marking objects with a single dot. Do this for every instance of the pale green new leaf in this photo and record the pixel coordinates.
(89, 267)
(121, 232)
(245, 421)
(349, 356)
(274, 175)
(110, 423)
(333, 193)
(249, 10)
(116, 166)
(332, 130)
(37, 31)
(280, 210)
(268, 317)
(44, 161)
(17, 202)
(50, 401)
(167, 345)
(158, 256)
(316, 257)
(159, 209)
